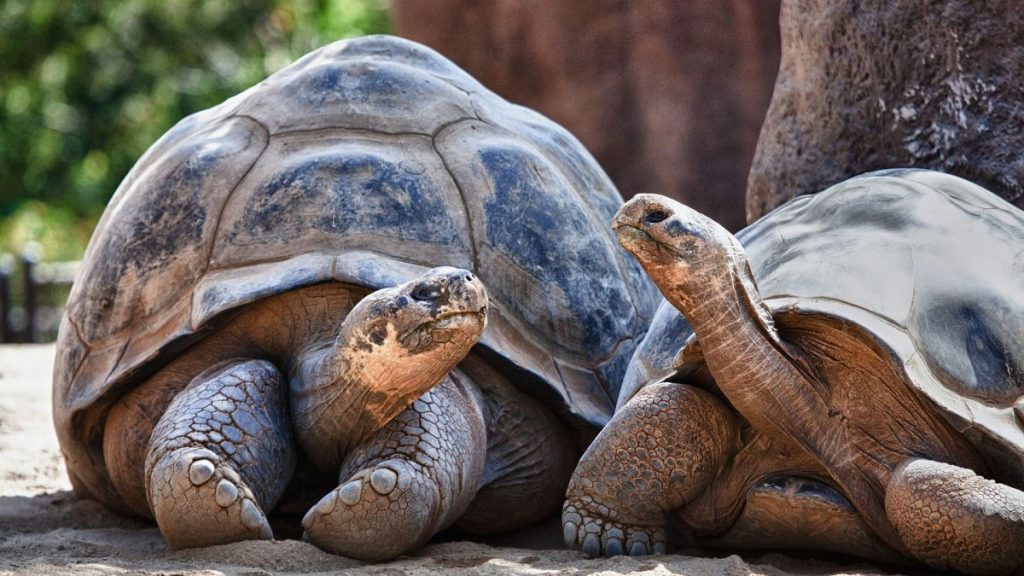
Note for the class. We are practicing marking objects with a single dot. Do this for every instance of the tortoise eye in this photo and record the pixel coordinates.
(426, 293)
(655, 216)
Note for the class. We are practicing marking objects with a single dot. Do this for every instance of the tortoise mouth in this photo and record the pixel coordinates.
(445, 331)
(640, 242)
(454, 321)
(628, 233)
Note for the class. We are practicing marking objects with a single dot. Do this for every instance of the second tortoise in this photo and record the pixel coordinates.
(863, 342)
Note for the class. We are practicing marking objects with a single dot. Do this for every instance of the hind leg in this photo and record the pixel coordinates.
(950, 517)
(408, 481)
(221, 455)
(657, 453)
(530, 457)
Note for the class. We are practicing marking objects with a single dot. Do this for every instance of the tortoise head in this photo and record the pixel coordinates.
(392, 347)
(682, 250)
(436, 318)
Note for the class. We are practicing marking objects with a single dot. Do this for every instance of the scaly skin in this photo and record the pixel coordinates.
(408, 481)
(530, 456)
(392, 347)
(270, 329)
(351, 367)
(221, 455)
(952, 518)
(473, 450)
(660, 451)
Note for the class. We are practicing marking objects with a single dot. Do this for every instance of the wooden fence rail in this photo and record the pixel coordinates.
(32, 296)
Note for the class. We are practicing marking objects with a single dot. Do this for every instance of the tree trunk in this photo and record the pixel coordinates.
(872, 84)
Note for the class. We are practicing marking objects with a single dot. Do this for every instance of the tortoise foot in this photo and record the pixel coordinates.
(379, 513)
(596, 535)
(198, 500)
(229, 424)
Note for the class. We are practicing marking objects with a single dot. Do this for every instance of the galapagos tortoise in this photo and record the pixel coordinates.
(863, 395)
(222, 285)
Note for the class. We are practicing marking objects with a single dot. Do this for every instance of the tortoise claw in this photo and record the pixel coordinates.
(199, 500)
(596, 535)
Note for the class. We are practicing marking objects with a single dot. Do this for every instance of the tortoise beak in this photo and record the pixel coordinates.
(630, 214)
(643, 211)
(632, 238)
(631, 223)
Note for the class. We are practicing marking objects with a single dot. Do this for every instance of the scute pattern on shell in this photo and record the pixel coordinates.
(367, 161)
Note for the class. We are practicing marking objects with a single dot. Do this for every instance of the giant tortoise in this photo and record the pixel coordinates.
(261, 296)
(857, 387)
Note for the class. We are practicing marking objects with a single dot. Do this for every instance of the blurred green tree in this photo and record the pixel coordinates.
(86, 87)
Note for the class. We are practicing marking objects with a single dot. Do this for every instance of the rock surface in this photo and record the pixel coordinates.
(870, 84)
(669, 96)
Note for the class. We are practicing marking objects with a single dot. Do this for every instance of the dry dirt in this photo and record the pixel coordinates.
(45, 529)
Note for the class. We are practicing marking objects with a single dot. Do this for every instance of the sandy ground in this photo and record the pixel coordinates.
(45, 529)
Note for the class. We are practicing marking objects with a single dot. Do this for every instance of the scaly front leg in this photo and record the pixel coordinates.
(657, 453)
(408, 481)
(221, 455)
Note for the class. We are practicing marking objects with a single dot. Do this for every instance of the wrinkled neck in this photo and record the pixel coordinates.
(737, 335)
(342, 394)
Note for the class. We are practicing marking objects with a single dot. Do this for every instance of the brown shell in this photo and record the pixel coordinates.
(368, 162)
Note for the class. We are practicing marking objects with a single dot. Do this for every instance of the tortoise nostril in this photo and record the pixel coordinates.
(655, 216)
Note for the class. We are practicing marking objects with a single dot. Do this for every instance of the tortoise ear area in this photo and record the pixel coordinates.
(376, 311)
(671, 222)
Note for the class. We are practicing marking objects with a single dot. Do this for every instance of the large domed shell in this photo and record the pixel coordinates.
(367, 162)
(929, 264)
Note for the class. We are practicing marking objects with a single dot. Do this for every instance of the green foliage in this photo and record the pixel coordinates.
(86, 87)
(58, 232)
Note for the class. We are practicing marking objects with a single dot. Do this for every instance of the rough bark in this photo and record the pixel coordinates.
(870, 84)
(668, 96)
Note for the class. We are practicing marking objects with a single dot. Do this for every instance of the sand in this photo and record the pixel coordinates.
(45, 529)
